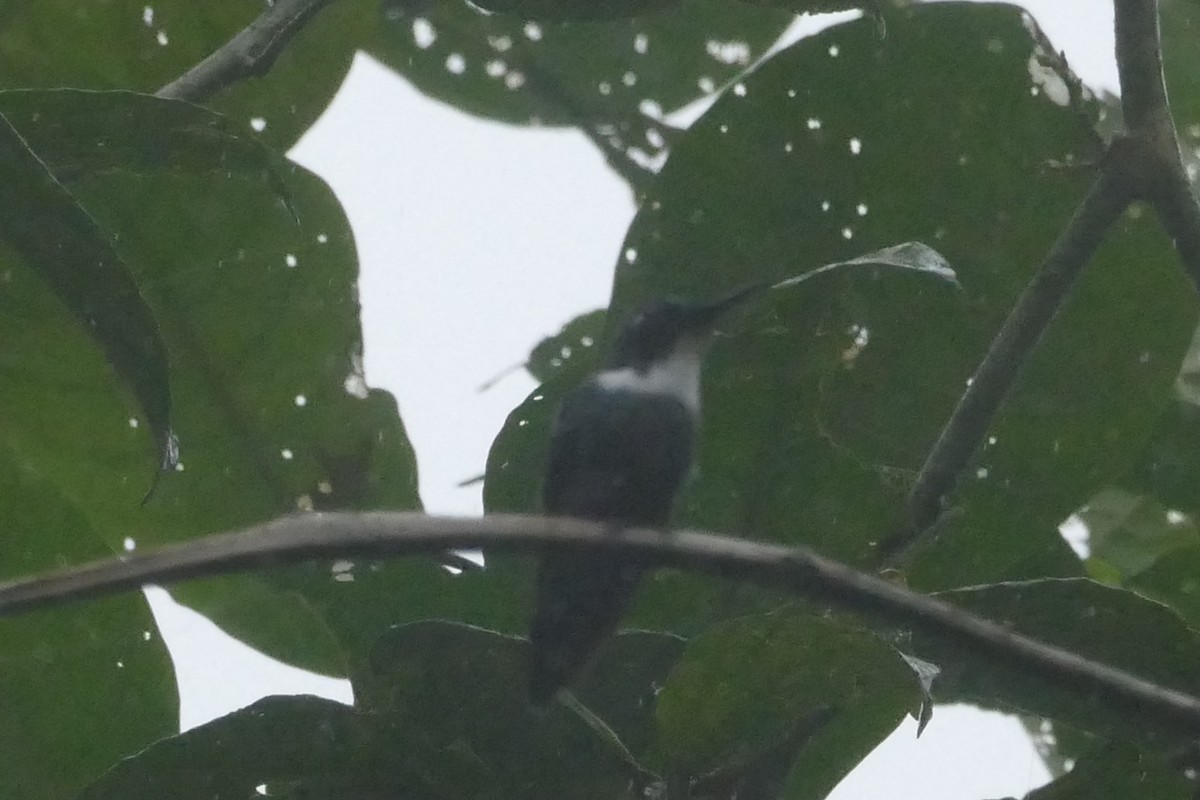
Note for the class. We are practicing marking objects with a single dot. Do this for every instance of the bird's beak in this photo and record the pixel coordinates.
(707, 314)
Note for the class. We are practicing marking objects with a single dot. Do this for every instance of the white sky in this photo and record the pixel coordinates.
(455, 218)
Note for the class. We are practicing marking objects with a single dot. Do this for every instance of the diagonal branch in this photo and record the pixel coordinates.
(797, 571)
(248, 54)
(1144, 164)
(1008, 352)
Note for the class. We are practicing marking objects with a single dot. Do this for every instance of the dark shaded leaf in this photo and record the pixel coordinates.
(624, 685)
(130, 45)
(278, 740)
(77, 131)
(272, 404)
(745, 686)
(598, 75)
(62, 243)
(80, 687)
(459, 695)
(837, 389)
(1106, 624)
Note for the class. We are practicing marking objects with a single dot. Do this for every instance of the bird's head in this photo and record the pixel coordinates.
(668, 326)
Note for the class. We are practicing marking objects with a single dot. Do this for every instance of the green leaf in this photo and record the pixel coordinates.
(130, 45)
(575, 10)
(1160, 555)
(458, 694)
(77, 131)
(839, 387)
(278, 742)
(1130, 532)
(592, 74)
(576, 341)
(744, 687)
(1117, 771)
(1106, 624)
(623, 686)
(272, 409)
(68, 674)
(1170, 460)
(58, 239)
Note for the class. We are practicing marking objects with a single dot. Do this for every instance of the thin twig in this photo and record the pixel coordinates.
(248, 54)
(1009, 350)
(798, 571)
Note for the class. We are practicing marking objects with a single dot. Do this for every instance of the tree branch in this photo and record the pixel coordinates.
(248, 54)
(1139, 65)
(1143, 164)
(1018, 336)
(1164, 181)
(797, 571)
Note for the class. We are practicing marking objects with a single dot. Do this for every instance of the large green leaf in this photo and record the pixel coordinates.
(277, 743)
(134, 45)
(825, 691)
(256, 302)
(77, 131)
(836, 388)
(80, 687)
(55, 237)
(612, 78)
(1103, 623)
(626, 681)
(456, 698)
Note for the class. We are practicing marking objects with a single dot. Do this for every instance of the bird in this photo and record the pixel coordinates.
(620, 449)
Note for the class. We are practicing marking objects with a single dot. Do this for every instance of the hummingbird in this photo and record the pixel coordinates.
(621, 447)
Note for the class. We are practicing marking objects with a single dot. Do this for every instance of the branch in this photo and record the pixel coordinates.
(1029, 318)
(1165, 184)
(1145, 164)
(797, 571)
(248, 54)
(1139, 64)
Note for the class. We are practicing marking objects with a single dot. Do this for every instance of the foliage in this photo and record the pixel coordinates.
(165, 270)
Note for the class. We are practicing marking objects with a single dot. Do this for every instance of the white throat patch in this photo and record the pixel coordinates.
(678, 377)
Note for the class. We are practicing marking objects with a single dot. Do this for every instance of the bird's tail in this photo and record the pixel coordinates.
(580, 601)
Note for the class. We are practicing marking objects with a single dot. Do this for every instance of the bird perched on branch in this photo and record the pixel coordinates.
(621, 447)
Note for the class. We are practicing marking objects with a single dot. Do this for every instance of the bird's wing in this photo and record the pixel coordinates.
(615, 461)
(598, 470)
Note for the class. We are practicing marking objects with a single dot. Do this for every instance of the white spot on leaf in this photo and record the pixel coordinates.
(424, 34)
